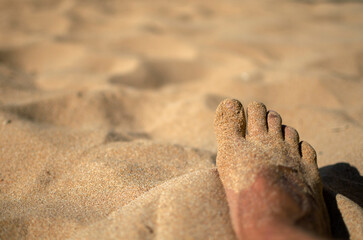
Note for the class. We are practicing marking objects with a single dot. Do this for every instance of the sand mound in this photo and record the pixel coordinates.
(178, 208)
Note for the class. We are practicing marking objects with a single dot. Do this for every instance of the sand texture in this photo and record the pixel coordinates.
(107, 109)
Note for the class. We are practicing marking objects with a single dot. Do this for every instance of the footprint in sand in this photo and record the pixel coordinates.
(15, 79)
(44, 56)
(265, 169)
(158, 47)
(107, 108)
(160, 65)
(157, 73)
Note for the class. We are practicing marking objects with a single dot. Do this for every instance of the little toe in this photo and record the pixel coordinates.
(291, 139)
(256, 122)
(229, 122)
(308, 153)
(274, 125)
(308, 160)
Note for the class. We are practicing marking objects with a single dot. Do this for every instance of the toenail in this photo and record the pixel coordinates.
(232, 104)
(291, 132)
(229, 105)
(273, 114)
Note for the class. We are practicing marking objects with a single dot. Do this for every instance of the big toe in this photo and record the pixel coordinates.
(230, 120)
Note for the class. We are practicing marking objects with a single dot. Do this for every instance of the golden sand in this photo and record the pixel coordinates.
(107, 108)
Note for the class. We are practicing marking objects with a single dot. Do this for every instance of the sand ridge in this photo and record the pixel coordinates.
(107, 108)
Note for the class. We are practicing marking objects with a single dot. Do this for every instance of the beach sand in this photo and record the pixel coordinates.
(107, 109)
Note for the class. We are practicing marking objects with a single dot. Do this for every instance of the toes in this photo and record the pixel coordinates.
(308, 153)
(291, 139)
(230, 120)
(274, 125)
(256, 124)
(308, 160)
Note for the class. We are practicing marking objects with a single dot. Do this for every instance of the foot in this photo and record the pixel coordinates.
(270, 178)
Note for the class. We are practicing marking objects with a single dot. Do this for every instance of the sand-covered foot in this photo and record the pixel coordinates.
(271, 179)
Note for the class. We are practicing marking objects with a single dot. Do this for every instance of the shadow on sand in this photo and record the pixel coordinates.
(344, 179)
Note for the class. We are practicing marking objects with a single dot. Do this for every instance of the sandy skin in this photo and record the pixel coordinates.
(271, 179)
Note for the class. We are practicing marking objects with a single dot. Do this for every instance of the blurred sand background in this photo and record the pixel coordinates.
(107, 107)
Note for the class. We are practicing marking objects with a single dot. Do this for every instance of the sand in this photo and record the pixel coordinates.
(107, 108)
